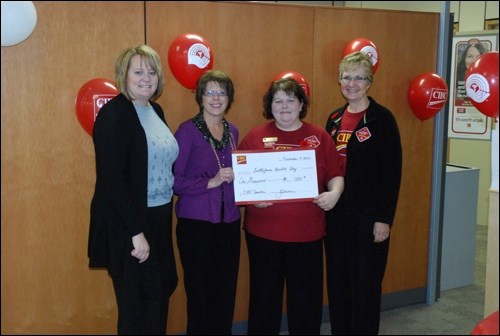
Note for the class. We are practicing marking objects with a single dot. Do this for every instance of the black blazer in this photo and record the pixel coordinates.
(119, 204)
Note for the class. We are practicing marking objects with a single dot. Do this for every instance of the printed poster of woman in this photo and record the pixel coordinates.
(467, 53)
(465, 120)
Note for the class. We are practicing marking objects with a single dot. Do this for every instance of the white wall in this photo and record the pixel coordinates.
(491, 10)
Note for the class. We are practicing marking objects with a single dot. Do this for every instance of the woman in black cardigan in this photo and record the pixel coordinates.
(131, 212)
(358, 228)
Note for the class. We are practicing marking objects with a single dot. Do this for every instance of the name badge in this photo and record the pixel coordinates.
(269, 142)
(271, 139)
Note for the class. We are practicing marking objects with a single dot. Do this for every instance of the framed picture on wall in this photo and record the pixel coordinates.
(491, 24)
(465, 120)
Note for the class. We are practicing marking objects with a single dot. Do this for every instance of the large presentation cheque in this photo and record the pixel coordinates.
(274, 176)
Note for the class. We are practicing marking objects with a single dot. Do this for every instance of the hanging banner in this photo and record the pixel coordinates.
(465, 120)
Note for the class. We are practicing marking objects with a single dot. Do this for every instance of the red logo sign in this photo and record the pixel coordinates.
(363, 134)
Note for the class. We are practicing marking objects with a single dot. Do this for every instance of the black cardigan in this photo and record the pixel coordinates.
(373, 165)
(119, 205)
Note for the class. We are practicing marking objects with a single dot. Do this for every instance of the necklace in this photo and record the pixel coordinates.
(231, 142)
(202, 126)
(213, 144)
(227, 137)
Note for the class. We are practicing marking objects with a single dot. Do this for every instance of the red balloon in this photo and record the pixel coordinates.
(481, 84)
(427, 94)
(298, 77)
(91, 97)
(189, 56)
(365, 46)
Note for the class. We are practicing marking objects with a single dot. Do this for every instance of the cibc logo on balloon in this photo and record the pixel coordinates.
(437, 97)
(477, 88)
(199, 55)
(100, 100)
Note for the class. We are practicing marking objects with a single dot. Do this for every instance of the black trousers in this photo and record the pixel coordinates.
(274, 264)
(143, 292)
(355, 268)
(210, 256)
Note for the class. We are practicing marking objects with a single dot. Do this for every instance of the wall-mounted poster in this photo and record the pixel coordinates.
(465, 120)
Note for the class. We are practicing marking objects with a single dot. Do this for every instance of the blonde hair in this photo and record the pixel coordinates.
(122, 65)
(356, 59)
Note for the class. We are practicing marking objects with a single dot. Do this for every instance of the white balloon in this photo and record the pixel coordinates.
(18, 21)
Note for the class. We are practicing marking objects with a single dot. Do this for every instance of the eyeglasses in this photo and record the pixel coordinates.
(357, 79)
(213, 93)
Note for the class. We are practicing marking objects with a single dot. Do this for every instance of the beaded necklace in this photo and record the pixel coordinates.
(233, 147)
(227, 137)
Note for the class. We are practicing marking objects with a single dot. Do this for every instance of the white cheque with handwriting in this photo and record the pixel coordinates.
(274, 176)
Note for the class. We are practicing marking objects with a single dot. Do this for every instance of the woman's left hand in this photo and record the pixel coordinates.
(381, 232)
(327, 200)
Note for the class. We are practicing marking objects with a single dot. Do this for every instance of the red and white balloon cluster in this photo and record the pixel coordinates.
(189, 56)
(428, 92)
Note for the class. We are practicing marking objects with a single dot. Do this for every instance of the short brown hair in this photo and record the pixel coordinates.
(292, 88)
(222, 79)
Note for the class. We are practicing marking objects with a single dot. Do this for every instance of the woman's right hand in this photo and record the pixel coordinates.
(223, 175)
(141, 247)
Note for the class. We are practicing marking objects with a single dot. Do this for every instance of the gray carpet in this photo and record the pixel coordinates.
(456, 312)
